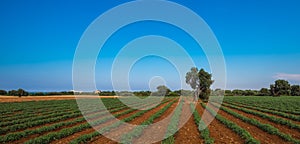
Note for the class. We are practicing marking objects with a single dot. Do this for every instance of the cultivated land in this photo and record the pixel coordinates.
(57, 119)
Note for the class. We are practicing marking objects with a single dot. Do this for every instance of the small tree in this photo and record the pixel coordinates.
(200, 81)
(264, 92)
(162, 90)
(295, 90)
(21, 92)
(3, 92)
(281, 87)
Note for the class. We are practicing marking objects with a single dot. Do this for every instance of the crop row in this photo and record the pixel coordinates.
(266, 116)
(265, 127)
(39, 112)
(137, 131)
(69, 131)
(59, 117)
(87, 137)
(204, 131)
(32, 106)
(16, 136)
(31, 119)
(173, 125)
(249, 139)
(286, 115)
(281, 104)
(31, 111)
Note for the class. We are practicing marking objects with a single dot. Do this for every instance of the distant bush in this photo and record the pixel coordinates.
(19, 92)
(3, 92)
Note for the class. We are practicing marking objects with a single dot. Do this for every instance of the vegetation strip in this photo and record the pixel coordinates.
(173, 126)
(249, 139)
(18, 135)
(204, 131)
(265, 127)
(137, 131)
(69, 131)
(289, 116)
(268, 117)
(88, 137)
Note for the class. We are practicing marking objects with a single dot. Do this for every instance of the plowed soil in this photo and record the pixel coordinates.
(262, 136)
(119, 131)
(218, 131)
(283, 128)
(188, 133)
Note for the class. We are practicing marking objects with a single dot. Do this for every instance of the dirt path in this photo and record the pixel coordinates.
(188, 133)
(283, 128)
(257, 133)
(119, 131)
(218, 131)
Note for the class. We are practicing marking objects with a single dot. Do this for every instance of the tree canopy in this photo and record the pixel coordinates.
(200, 81)
(281, 87)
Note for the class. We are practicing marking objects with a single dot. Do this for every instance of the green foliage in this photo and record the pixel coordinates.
(282, 106)
(295, 90)
(200, 81)
(217, 92)
(87, 137)
(265, 127)
(3, 92)
(282, 114)
(281, 87)
(204, 131)
(137, 131)
(240, 131)
(265, 116)
(162, 90)
(19, 92)
(173, 125)
(264, 92)
(107, 93)
(142, 93)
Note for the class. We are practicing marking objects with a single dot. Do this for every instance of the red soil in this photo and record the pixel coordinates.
(218, 131)
(157, 130)
(257, 133)
(283, 128)
(188, 133)
(119, 131)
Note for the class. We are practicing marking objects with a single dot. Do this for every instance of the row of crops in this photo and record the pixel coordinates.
(56, 121)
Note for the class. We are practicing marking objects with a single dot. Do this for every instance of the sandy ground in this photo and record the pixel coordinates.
(43, 98)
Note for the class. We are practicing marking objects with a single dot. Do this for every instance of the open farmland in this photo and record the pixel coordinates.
(239, 120)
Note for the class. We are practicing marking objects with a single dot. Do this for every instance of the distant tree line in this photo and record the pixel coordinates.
(279, 88)
(21, 92)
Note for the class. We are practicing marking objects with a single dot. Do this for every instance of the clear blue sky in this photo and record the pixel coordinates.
(259, 38)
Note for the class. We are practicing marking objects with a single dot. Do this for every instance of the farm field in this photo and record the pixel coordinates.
(239, 120)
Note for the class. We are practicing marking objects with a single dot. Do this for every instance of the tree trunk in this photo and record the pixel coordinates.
(196, 95)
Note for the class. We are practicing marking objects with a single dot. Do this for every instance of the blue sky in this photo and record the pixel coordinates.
(260, 41)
